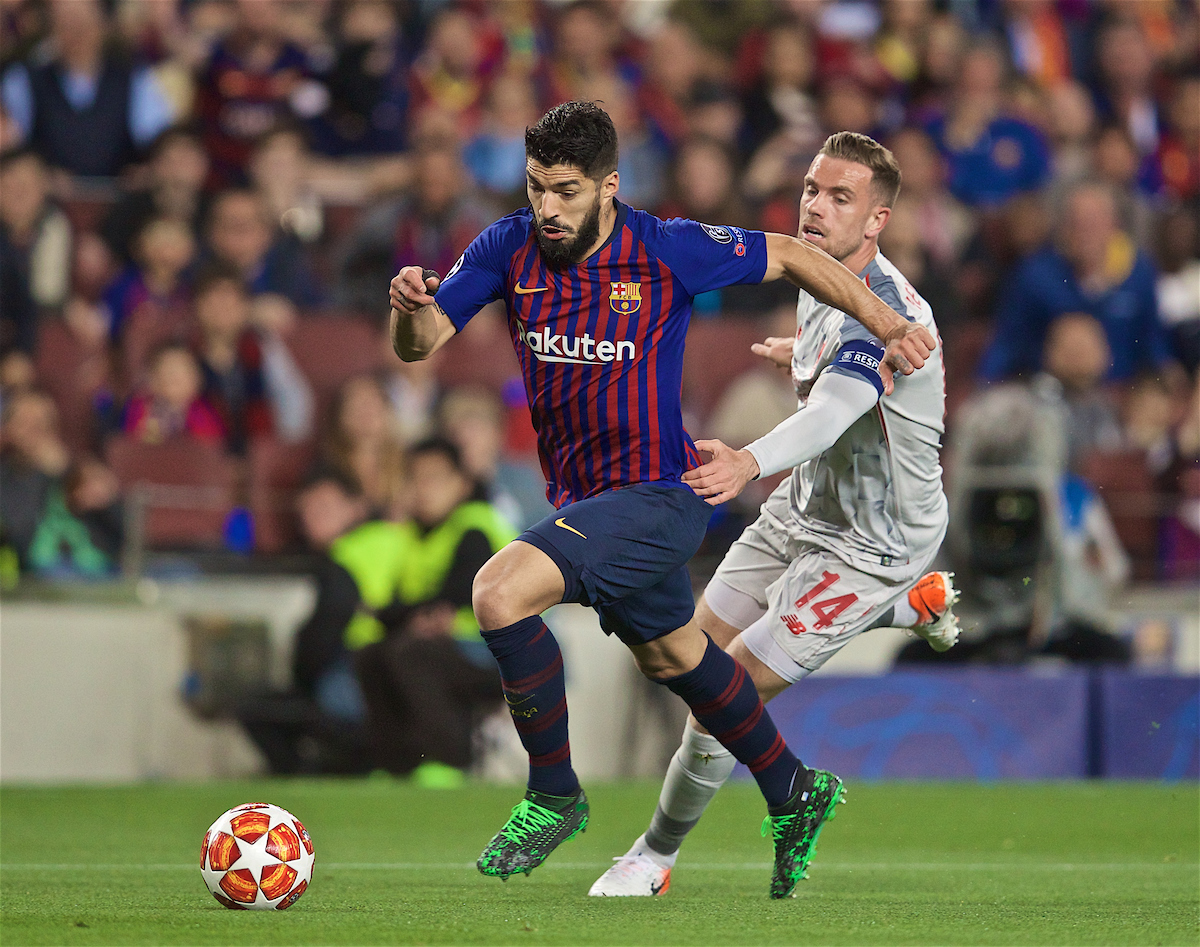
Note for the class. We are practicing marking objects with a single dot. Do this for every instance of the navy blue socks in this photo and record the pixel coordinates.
(531, 671)
(723, 698)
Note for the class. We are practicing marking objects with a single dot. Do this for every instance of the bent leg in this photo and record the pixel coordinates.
(723, 698)
(509, 594)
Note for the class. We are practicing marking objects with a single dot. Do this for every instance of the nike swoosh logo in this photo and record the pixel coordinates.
(524, 291)
(561, 522)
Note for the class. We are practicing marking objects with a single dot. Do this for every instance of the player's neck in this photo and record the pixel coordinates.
(857, 261)
(608, 219)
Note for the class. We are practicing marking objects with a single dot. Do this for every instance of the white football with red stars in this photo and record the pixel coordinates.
(257, 857)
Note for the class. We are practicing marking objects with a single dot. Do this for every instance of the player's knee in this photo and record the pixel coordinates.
(492, 599)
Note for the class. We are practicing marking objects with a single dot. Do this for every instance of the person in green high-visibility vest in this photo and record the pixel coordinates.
(429, 675)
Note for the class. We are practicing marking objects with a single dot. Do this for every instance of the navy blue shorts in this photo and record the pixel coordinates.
(625, 553)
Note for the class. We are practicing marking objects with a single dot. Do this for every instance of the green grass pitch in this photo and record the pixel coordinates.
(904, 863)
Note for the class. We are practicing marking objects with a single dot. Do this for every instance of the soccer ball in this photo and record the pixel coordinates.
(257, 857)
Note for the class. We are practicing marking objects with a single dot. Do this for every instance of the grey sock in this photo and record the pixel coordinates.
(698, 769)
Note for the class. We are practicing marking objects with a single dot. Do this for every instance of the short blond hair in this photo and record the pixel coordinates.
(864, 150)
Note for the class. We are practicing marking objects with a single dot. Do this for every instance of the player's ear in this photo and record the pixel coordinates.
(878, 221)
(609, 184)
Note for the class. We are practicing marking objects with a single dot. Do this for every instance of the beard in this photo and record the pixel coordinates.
(559, 254)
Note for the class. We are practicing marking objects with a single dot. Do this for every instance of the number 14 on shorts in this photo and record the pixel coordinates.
(826, 610)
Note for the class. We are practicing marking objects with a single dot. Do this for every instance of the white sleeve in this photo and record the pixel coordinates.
(835, 402)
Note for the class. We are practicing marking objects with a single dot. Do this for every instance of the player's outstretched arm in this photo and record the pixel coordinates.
(816, 272)
(418, 326)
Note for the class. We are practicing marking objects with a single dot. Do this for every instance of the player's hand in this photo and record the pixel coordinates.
(775, 350)
(907, 348)
(413, 288)
(723, 477)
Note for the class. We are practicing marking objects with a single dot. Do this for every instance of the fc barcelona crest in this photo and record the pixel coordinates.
(625, 297)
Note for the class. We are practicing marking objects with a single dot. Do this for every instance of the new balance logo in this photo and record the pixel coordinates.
(794, 624)
(574, 349)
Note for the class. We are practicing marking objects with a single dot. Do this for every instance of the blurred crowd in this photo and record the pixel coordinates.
(202, 202)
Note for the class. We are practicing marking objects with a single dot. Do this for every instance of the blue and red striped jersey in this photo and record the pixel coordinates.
(601, 342)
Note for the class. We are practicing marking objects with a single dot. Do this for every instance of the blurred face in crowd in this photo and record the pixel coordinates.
(365, 414)
(788, 61)
(327, 512)
(175, 378)
(474, 422)
(454, 43)
(982, 74)
(166, 247)
(1077, 351)
(30, 422)
(848, 106)
(583, 38)
(512, 103)
(181, 164)
(1126, 61)
(22, 194)
(436, 487)
(78, 29)
(366, 21)
(1089, 224)
(438, 179)
(1185, 110)
(239, 232)
(840, 210)
(280, 159)
(566, 207)
(223, 310)
(1072, 114)
(919, 162)
(1116, 159)
(704, 177)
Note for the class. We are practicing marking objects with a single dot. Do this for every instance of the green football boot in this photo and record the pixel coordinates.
(538, 825)
(795, 826)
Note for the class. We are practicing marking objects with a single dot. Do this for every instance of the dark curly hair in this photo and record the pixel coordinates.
(579, 134)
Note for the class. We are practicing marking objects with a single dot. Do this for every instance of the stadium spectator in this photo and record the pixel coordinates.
(584, 52)
(318, 725)
(231, 358)
(176, 167)
(62, 516)
(1038, 38)
(496, 155)
(434, 222)
(1177, 161)
(151, 300)
(279, 170)
(451, 72)
(241, 233)
(1076, 359)
(413, 392)
(81, 104)
(254, 79)
(1115, 162)
(1179, 284)
(34, 233)
(426, 683)
(674, 64)
(472, 418)
(779, 106)
(990, 155)
(1096, 268)
(171, 404)
(1124, 92)
(1071, 126)
(943, 225)
(367, 83)
(360, 444)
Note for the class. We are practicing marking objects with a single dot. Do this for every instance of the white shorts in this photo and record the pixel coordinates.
(796, 602)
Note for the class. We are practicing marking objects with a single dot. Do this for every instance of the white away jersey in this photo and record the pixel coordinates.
(875, 497)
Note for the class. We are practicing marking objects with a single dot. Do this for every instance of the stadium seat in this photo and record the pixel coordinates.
(1126, 485)
(329, 347)
(72, 373)
(717, 352)
(276, 470)
(188, 490)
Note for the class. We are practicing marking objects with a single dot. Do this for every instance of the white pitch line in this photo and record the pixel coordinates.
(711, 866)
